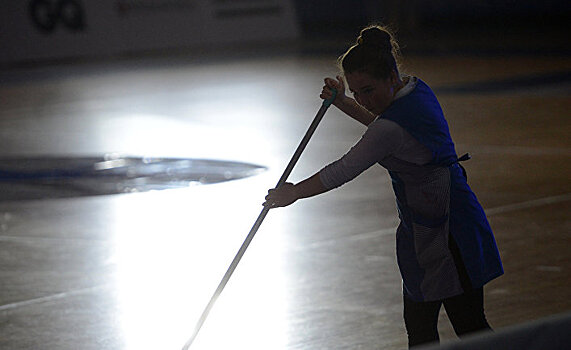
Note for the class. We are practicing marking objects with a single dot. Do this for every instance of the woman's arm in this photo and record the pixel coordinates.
(381, 139)
(350, 107)
(346, 104)
(288, 193)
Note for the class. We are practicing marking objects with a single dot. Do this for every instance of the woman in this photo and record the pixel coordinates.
(446, 251)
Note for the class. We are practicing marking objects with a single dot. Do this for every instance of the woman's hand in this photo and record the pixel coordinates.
(281, 196)
(330, 84)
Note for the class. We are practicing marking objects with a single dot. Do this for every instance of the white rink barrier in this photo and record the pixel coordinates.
(32, 30)
(551, 333)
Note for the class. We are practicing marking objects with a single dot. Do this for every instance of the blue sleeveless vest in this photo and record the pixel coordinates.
(420, 114)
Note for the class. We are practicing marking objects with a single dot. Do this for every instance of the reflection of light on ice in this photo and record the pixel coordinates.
(109, 164)
(171, 251)
(252, 309)
(199, 134)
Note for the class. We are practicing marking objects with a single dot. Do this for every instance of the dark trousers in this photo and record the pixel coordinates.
(465, 311)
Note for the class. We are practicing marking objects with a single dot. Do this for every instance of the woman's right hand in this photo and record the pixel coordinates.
(282, 196)
(338, 85)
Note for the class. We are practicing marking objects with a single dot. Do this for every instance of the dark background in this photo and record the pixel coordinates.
(499, 26)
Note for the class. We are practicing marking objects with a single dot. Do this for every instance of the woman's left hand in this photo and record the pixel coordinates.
(281, 196)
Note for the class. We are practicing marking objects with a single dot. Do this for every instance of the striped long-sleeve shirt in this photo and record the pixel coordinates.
(383, 138)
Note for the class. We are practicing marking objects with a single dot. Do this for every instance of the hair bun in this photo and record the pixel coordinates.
(375, 53)
(376, 36)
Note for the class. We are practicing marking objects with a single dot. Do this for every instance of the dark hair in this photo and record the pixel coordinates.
(374, 53)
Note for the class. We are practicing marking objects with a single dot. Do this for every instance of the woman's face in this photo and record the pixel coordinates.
(372, 93)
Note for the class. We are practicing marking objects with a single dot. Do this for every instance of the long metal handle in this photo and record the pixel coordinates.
(260, 219)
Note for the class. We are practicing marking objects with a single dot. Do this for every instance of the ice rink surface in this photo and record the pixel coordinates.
(134, 270)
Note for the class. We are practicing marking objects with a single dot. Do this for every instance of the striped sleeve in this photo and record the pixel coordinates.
(382, 138)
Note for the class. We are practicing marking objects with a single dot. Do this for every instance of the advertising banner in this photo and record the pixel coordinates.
(35, 30)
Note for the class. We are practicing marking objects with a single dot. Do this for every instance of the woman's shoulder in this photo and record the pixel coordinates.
(415, 94)
(384, 126)
(410, 83)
